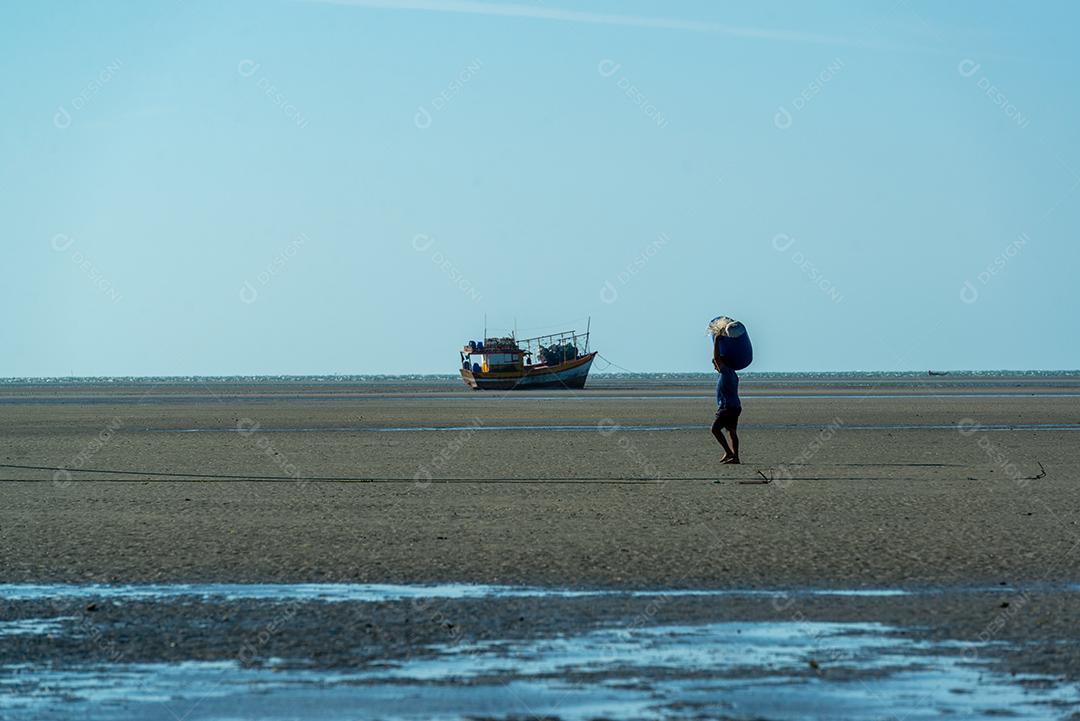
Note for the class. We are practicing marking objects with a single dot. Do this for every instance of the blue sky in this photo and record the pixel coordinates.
(315, 187)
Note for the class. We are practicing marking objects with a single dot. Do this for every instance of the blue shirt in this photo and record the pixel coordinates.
(727, 390)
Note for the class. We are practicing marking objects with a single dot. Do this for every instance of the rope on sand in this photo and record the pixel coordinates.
(142, 476)
(760, 478)
(180, 477)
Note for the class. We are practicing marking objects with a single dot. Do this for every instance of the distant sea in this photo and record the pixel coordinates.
(600, 379)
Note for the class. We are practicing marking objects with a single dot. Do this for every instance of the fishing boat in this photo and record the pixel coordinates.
(557, 360)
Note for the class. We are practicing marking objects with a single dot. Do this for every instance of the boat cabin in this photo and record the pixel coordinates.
(493, 355)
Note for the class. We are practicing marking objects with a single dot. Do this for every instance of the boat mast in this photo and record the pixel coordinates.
(588, 324)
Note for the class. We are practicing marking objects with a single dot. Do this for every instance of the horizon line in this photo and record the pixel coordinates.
(455, 376)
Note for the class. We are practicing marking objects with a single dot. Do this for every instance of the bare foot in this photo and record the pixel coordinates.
(730, 459)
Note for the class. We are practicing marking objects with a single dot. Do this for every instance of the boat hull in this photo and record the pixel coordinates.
(565, 375)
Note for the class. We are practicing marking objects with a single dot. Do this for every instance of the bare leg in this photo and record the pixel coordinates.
(718, 434)
(734, 444)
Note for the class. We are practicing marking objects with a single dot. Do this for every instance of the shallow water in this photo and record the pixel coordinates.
(376, 592)
(34, 626)
(742, 670)
(781, 670)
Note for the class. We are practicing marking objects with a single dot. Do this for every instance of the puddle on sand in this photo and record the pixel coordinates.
(34, 626)
(738, 670)
(376, 592)
(380, 592)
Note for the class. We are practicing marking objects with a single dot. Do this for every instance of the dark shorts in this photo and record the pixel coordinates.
(727, 418)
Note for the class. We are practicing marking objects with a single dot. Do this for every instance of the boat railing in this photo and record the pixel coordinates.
(579, 341)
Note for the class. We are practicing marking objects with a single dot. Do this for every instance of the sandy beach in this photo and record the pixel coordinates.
(872, 485)
(948, 500)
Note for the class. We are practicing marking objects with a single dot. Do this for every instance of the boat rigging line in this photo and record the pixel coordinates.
(611, 364)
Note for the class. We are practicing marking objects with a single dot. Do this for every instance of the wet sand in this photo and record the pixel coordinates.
(866, 490)
(960, 490)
